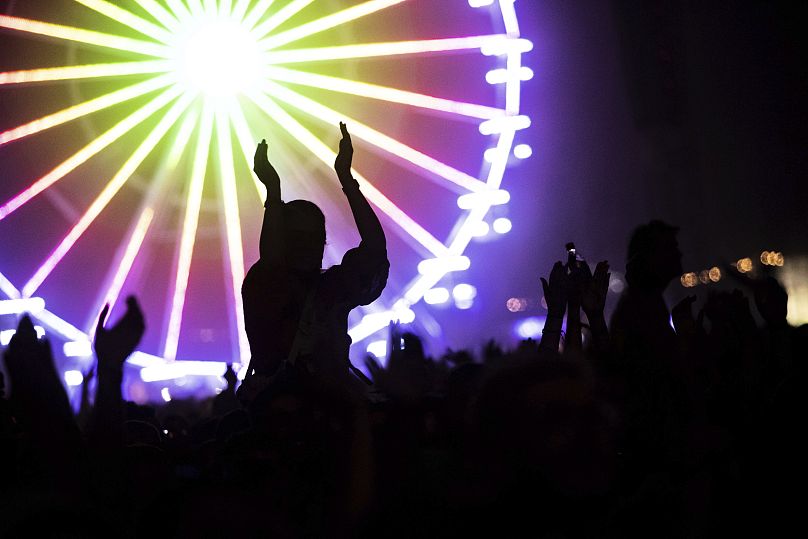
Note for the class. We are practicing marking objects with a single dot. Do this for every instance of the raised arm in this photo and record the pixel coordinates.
(271, 246)
(370, 229)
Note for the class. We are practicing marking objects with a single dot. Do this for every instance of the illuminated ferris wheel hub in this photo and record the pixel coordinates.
(216, 56)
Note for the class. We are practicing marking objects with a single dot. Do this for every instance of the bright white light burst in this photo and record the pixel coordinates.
(217, 56)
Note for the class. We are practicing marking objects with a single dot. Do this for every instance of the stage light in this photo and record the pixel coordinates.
(530, 328)
(715, 274)
(165, 394)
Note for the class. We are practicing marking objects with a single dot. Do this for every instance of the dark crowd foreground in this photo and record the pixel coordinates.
(635, 428)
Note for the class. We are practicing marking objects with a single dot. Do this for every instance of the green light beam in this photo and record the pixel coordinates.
(377, 50)
(407, 228)
(375, 138)
(83, 109)
(234, 253)
(383, 93)
(240, 10)
(255, 14)
(188, 238)
(161, 14)
(129, 19)
(327, 22)
(107, 194)
(98, 144)
(288, 11)
(87, 37)
(90, 71)
(179, 10)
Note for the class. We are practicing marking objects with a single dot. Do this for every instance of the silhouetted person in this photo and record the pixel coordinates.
(294, 311)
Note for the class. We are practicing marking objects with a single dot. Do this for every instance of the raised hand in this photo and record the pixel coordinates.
(555, 292)
(265, 171)
(342, 164)
(114, 344)
(594, 289)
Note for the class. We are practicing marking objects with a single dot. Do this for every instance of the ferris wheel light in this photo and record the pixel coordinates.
(480, 3)
(482, 199)
(443, 265)
(78, 349)
(505, 123)
(17, 306)
(522, 151)
(377, 348)
(480, 229)
(436, 296)
(502, 225)
(506, 45)
(73, 378)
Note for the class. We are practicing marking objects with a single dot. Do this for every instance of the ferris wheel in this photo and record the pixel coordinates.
(159, 105)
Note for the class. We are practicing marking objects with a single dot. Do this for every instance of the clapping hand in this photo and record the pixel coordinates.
(113, 344)
(342, 164)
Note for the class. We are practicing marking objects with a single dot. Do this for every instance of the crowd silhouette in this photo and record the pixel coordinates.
(660, 423)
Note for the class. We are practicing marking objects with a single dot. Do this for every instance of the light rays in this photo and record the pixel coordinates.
(384, 93)
(93, 71)
(326, 155)
(325, 23)
(88, 37)
(381, 50)
(108, 193)
(161, 14)
(127, 18)
(380, 140)
(188, 239)
(98, 144)
(229, 205)
(285, 13)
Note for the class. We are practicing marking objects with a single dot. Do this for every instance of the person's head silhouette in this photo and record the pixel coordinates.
(654, 258)
(304, 235)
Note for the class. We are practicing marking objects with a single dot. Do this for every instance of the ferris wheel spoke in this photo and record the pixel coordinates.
(240, 9)
(383, 93)
(327, 22)
(284, 14)
(246, 142)
(196, 8)
(188, 239)
(377, 139)
(232, 220)
(160, 14)
(148, 208)
(128, 18)
(255, 14)
(83, 109)
(87, 152)
(90, 71)
(88, 37)
(384, 49)
(124, 266)
(107, 194)
(405, 224)
(178, 8)
(225, 8)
